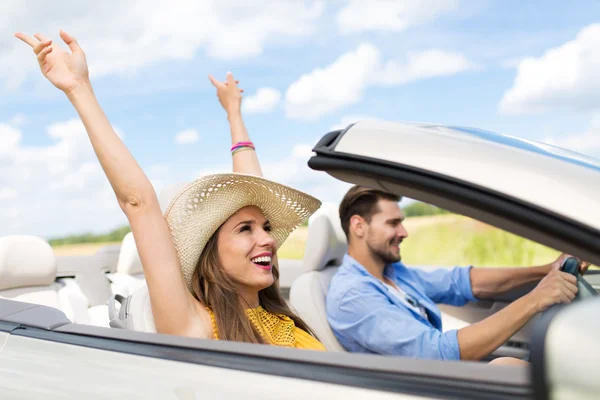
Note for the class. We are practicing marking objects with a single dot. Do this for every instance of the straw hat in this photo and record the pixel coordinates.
(202, 206)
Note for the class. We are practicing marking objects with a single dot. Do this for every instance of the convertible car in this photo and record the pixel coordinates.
(82, 327)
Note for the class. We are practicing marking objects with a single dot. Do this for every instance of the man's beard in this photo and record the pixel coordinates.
(386, 257)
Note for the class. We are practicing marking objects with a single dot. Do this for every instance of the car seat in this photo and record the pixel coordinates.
(325, 249)
(28, 274)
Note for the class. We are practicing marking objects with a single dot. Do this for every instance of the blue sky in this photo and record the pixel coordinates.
(528, 69)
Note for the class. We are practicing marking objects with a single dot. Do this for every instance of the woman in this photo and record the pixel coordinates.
(210, 261)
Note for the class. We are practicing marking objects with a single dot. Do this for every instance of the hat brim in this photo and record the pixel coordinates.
(202, 206)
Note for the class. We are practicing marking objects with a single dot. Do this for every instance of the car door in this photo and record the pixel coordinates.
(53, 370)
(565, 352)
(42, 355)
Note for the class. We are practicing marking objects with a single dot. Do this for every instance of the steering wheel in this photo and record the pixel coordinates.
(571, 266)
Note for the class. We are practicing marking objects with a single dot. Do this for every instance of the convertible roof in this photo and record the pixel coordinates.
(555, 179)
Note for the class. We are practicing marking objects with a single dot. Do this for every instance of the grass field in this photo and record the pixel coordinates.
(433, 240)
(82, 249)
(457, 240)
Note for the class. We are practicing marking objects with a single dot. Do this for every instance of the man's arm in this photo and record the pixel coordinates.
(488, 282)
(368, 318)
(482, 338)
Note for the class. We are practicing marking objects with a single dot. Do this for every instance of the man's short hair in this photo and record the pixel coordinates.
(362, 201)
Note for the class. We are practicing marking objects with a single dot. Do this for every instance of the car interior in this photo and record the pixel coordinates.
(130, 327)
(111, 290)
(28, 273)
(108, 289)
(102, 301)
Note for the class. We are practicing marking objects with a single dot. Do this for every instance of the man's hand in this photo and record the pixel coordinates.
(557, 287)
(230, 96)
(583, 265)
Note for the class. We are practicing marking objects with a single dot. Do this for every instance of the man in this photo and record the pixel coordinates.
(377, 305)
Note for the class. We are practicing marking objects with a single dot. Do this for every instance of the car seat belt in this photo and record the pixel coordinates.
(118, 318)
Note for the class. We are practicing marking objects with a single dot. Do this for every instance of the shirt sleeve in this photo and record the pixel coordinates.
(368, 318)
(447, 286)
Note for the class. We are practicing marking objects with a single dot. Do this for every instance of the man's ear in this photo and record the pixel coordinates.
(357, 226)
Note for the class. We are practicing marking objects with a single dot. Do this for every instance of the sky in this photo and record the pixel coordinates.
(527, 69)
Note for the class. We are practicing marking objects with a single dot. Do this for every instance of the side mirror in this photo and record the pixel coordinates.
(565, 352)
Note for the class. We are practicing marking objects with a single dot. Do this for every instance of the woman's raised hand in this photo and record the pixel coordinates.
(65, 70)
(230, 96)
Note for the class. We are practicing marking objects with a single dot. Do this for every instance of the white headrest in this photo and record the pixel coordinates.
(26, 261)
(324, 245)
(129, 261)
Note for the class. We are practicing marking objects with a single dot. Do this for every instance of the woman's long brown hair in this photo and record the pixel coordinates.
(215, 289)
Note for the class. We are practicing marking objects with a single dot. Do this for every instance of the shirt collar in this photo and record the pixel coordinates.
(389, 270)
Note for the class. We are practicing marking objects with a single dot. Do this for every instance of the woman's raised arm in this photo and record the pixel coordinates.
(230, 97)
(174, 308)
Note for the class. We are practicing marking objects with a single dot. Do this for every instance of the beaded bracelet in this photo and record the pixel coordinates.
(239, 149)
(241, 146)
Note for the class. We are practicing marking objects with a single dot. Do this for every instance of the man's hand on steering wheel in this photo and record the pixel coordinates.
(557, 287)
(583, 265)
(576, 268)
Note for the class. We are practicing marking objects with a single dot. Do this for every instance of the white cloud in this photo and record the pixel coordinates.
(389, 15)
(342, 83)
(10, 213)
(8, 193)
(187, 136)
(263, 101)
(423, 65)
(54, 189)
(9, 138)
(302, 151)
(567, 76)
(141, 34)
(327, 89)
(80, 179)
(587, 142)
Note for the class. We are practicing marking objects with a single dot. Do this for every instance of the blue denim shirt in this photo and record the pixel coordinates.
(367, 317)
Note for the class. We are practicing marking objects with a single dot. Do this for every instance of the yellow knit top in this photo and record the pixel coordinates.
(276, 329)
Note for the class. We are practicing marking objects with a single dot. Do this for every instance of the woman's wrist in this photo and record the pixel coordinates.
(234, 114)
(84, 88)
